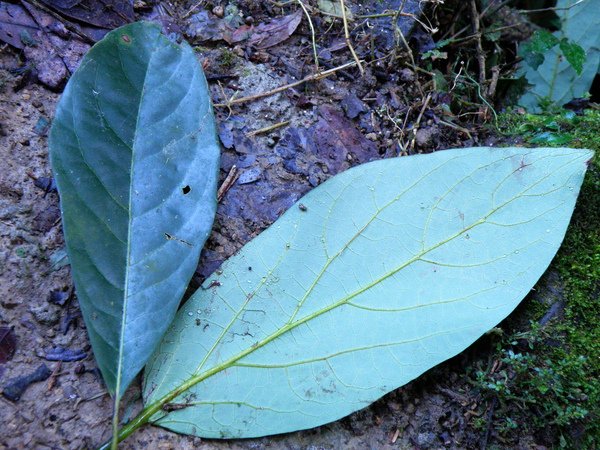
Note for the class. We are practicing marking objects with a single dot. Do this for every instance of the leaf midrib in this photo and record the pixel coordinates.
(129, 219)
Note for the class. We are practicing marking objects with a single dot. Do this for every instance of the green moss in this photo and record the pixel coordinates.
(549, 378)
(227, 58)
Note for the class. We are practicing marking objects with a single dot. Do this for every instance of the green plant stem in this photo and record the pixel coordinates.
(115, 424)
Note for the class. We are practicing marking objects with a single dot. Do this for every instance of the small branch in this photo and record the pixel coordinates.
(479, 46)
(231, 178)
(312, 33)
(491, 91)
(347, 37)
(566, 8)
(418, 122)
(192, 9)
(267, 129)
(314, 77)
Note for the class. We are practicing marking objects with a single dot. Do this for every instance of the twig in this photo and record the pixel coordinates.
(68, 25)
(566, 8)
(231, 178)
(267, 129)
(479, 46)
(485, 12)
(418, 122)
(491, 91)
(192, 9)
(314, 77)
(312, 33)
(53, 375)
(94, 397)
(347, 37)
(400, 37)
(456, 127)
(489, 420)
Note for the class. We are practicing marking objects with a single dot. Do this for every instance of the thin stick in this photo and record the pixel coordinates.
(491, 91)
(347, 37)
(269, 128)
(192, 9)
(528, 11)
(418, 122)
(312, 33)
(231, 178)
(456, 127)
(314, 77)
(479, 46)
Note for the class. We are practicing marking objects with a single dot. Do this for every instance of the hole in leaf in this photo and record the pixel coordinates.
(186, 190)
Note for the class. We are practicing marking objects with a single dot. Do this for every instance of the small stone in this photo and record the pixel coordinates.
(218, 11)
(45, 314)
(26, 96)
(425, 136)
(371, 136)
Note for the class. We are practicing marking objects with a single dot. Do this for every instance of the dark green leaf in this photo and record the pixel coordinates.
(550, 138)
(135, 156)
(574, 53)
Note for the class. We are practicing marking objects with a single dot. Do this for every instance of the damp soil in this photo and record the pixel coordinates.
(330, 126)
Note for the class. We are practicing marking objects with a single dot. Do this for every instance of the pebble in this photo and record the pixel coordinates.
(218, 11)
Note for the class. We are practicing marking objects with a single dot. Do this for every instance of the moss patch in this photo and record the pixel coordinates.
(547, 378)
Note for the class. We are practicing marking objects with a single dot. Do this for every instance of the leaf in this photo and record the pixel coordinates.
(275, 32)
(371, 279)
(135, 155)
(557, 80)
(106, 13)
(334, 8)
(533, 50)
(574, 53)
(550, 138)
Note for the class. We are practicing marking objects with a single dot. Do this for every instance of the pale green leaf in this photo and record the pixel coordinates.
(334, 8)
(371, 279)
(557, 80)
(135, 156)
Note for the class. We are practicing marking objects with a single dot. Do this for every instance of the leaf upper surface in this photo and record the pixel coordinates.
(135, 156)
(385, 271)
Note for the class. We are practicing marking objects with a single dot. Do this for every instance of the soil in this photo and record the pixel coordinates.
(337, 122)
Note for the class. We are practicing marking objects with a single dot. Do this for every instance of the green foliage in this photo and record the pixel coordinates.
(534, 50)
(368, 285)
(550, 386)
(135, 156)
(562, 65)
(550, 377)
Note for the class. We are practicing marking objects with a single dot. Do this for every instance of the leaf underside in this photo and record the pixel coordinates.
(556, 79)
(135, 156)
(385, 271)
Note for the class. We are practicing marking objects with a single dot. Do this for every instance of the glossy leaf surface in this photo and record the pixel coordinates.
(371, 279)
(135, 156)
